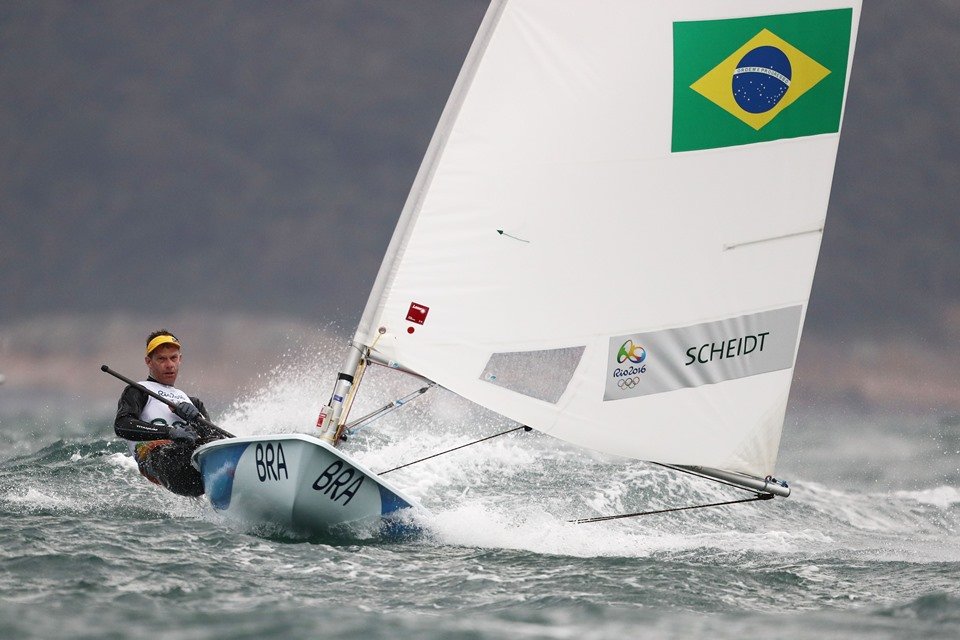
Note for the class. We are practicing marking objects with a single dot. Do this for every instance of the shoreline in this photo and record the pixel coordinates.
(56, 360)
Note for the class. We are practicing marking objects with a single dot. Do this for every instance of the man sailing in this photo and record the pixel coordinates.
(161, 439)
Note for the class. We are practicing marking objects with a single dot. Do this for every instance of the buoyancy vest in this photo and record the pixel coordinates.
(157, 412)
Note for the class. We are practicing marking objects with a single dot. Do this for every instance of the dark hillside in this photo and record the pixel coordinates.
(890, 259)
(252, 156)
(247, 148)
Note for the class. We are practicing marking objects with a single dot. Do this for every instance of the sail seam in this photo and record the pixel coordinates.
(795, 234)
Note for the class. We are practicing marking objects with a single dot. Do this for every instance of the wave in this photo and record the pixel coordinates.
(86, 479)
(519, 491)
(932, 608)
(516, 492)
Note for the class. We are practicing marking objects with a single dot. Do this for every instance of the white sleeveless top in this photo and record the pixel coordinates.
(155, 411)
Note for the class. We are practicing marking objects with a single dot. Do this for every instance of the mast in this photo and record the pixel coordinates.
(421, 184)
(331, 415)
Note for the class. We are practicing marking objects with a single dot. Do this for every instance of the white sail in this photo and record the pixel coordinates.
(614, 234)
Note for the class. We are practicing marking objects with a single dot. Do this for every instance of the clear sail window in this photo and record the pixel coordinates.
(542, 374)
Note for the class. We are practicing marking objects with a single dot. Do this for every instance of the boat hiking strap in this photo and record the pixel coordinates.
(759, 496)
(496, 435)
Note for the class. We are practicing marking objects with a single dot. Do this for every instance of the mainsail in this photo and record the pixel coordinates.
(613, 236)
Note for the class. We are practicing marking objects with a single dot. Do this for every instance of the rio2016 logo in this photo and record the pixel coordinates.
(632, 352)
(634, 355)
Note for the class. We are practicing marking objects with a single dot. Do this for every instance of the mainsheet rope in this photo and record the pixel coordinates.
(759, 496)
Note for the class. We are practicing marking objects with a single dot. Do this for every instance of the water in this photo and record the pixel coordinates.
(866, 547)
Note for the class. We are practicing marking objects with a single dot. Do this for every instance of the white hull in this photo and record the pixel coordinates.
(296, 483)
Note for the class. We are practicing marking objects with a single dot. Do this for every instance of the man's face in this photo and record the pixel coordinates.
(163, 363)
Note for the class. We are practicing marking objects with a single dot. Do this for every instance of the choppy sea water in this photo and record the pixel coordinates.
(866, 547)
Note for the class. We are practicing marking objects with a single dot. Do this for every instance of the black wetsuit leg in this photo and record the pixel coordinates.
(168, 464)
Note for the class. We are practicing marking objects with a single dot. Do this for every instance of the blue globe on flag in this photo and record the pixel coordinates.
(761, 79)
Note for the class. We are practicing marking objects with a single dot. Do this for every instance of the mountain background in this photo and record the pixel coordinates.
(233, 170)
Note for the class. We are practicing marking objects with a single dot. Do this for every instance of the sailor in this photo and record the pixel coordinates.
(162, 440)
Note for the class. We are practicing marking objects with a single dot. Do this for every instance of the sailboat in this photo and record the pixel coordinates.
(612, 239)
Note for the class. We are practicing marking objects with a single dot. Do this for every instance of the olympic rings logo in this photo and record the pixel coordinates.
(628, 383)
(635, 353)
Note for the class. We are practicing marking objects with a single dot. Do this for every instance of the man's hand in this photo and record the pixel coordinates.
(187, 411)
(184, 433)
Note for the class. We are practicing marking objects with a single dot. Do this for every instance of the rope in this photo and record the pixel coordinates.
(496, 435)
(759, 496)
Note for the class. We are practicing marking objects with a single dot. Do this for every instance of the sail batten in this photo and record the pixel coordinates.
(614, 234)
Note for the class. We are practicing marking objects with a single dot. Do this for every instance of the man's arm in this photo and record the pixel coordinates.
(199, 405)
(128, 424)
(206, 434)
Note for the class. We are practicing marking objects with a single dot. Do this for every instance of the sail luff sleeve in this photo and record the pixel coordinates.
(366, 329)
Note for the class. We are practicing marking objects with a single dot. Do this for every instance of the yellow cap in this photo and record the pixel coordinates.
(162, 339)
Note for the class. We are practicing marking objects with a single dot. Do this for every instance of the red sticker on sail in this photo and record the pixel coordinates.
(417, 313)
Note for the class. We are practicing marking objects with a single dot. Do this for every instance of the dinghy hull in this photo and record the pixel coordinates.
(296, 483)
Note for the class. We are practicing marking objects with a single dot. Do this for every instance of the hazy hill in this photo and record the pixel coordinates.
(241, 155)
(194, 154)
(890, 256)
(252, 156)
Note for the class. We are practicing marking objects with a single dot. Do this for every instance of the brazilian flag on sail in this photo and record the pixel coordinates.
(746, 80)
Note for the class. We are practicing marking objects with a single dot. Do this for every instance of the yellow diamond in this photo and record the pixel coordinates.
(716, 85)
